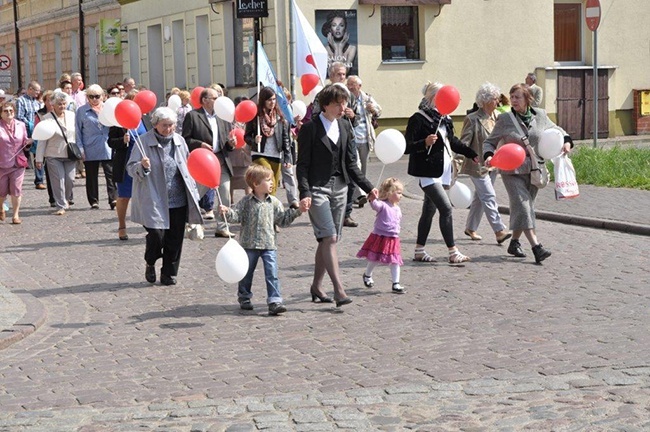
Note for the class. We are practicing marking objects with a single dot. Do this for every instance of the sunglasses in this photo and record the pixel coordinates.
(115, 93)
(94, 96)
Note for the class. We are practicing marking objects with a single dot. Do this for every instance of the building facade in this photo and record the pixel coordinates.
(395, 46)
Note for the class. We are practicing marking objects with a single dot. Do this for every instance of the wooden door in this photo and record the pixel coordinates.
(575, 103)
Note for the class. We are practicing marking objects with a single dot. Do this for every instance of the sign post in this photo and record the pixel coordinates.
(592, 17)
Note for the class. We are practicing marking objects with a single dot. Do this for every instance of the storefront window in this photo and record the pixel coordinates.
(244, 52)
(399, 33)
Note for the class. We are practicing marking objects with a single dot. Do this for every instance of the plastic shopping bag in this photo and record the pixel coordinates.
(566, 185)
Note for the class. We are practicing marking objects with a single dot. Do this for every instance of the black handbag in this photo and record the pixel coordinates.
(73, 150)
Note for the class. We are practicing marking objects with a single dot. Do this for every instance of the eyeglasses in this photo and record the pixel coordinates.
(94, 96)
(7, 110)
(115, 93)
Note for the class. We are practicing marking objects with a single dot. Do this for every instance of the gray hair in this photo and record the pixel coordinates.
(355, 78)
(430, 89)
(334, 67)
(163, 113)
(95, 89)
(58, 97)
(75, 75)
(486, 93)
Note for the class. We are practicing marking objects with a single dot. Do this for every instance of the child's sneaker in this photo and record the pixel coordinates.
(277, 308)
(246, 304)
(398, 289)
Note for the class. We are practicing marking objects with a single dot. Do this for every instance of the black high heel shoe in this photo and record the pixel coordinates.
(322, 298)
(343, 301)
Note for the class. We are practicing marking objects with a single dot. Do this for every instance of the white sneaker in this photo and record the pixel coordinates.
(209, 215)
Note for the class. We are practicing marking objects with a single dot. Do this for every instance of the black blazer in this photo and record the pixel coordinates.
(282, 138)
(422, 164)
(315, 157)
(196, 129)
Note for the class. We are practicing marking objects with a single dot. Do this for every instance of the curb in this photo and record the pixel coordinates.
(34, 318)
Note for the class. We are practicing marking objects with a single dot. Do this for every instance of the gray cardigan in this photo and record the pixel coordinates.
(149, 203)
(505, 132)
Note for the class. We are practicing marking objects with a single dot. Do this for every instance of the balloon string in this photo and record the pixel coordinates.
(380, 175)
(435, 133)
(223, 215)
(138, 143)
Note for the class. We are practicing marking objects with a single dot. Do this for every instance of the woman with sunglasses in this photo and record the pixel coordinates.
(13, 140)
(92, 139)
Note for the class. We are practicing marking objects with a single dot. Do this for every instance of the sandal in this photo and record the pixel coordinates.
(456, 257)
(121, 232)
(367, 281)
(16, 220)
(423, 257)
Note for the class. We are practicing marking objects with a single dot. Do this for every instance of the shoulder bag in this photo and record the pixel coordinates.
(539, 176)
(73, 150)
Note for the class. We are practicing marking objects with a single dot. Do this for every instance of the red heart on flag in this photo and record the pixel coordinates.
(310, 59)
(308, 83)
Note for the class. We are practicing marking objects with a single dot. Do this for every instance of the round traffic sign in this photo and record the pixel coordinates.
(5, 62)
(592, 14)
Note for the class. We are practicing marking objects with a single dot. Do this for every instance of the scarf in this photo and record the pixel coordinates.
(525, 117)
(436, 116)
(163, 140)
(267, 124)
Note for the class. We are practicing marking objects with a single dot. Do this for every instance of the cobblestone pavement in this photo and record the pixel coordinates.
(495, 344)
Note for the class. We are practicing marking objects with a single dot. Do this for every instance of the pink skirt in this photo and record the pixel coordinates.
(381, 249)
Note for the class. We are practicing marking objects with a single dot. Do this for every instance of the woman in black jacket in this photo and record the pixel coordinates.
(430, 141)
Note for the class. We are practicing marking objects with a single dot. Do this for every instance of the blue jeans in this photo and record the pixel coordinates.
(39, 175)
(207, 201)
(270, 262)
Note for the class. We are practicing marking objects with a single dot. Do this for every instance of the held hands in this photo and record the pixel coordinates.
(305, 204)
(373, 195)
(146, 163)
(430, 140)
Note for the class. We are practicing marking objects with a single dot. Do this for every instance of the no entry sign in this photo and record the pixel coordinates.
(592, 14)
(5, 62)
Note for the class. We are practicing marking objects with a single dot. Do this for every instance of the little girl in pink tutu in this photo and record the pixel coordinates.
(382, 245)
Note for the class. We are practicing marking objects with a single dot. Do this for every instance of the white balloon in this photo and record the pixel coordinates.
(45, 130)
(460, 195)
(299, 109)
(224, 108)
(550, 143)
(103, 120)
(390, 146)
(109, 107)
(232, 262)
(312, 94)
(174, 102)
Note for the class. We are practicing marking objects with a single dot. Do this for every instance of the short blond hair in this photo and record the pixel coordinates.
(256, 174)
(389, 186)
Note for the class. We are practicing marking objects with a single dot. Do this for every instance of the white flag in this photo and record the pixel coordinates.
(311, 56)
(266, 75)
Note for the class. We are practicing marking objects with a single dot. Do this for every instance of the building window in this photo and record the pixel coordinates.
(400, 39)
(244, 50)
(567, 27)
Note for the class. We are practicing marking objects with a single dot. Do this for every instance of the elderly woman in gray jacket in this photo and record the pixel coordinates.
(165, 196)
(476, 128)
(532, 122)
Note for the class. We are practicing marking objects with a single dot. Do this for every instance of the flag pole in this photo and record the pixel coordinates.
(257, 60)
(292, 54)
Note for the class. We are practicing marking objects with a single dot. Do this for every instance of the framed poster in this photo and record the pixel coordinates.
(337, 30)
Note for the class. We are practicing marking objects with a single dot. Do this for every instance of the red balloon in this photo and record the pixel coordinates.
(204, 167)
(128, 114)
(195, 97)
(308, 83)
(508, 157)
(245, 111)
(238, 133)
(447, 99)
(146, 100)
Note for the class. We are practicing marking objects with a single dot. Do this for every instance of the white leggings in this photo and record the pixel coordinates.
(394, 270)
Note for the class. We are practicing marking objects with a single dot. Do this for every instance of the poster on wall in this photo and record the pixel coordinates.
(110, 37)
(337, 30)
